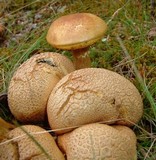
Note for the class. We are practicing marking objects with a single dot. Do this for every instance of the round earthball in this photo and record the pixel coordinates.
(29, 142)
(32, 83)
(99, 141)
(93, 95)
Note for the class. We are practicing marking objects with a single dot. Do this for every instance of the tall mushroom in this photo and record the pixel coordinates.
(32, 83)
(76, 32)
(93, 95)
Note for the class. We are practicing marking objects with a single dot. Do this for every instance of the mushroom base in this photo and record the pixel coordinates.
(81, 58)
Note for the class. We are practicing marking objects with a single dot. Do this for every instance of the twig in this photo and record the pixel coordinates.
(138, 76)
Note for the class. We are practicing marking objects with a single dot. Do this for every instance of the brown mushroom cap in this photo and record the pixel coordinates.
(99, 141)
(76, 31)
(93, 95)
(23, 147)
(32, 83)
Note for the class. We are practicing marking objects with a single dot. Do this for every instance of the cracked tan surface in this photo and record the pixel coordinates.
(32, 83)
(99, 142)
(92, 95)
(24, 148)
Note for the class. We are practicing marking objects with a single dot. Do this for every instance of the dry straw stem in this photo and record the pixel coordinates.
(30, 134)
(146, 155)
(116, 13)
(138, 76)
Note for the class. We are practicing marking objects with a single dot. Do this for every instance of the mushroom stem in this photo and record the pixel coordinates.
(81, 58)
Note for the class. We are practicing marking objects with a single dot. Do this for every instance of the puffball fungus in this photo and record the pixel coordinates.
(32, 84)
(23, 147)
(93, 95)
(99, 141)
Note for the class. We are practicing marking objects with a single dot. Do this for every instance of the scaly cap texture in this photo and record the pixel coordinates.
(93, 95)
(32, 83)
(22, 147)
(99, 141)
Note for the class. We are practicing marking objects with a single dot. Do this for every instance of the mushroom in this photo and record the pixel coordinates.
(21, 145)
(93, 95)
(99, 141)
(32, 83)
(76, 32)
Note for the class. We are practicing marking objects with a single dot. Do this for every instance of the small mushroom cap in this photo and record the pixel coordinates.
(93, 95)
(76, 31)
(99, 141)
(24, 147)
(31, 84)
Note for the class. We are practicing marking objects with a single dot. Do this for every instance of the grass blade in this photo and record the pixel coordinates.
(138, 76)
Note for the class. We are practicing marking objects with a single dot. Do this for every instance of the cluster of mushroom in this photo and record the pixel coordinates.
(86, 97)
(90, 109)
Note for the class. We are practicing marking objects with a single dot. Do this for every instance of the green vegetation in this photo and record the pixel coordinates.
(126, 48)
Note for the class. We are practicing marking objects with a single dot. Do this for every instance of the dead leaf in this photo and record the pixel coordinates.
(5, 128)
(152, 34)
